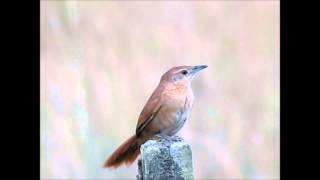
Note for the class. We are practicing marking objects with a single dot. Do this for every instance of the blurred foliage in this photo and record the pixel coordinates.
(101, 60)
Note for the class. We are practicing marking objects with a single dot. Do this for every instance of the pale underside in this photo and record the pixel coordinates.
(169, 114)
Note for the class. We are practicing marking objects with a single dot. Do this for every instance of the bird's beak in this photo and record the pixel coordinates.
(198, 68)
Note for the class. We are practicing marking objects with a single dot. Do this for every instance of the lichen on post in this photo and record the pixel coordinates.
(165, 158)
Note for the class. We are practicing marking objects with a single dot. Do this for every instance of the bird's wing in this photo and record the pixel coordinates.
(150, 110)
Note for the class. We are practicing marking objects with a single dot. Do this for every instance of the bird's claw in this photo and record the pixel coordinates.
(163, 136)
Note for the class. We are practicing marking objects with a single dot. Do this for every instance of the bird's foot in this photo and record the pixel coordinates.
(163, 136)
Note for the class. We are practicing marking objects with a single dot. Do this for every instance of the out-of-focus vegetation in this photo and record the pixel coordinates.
(101, 60)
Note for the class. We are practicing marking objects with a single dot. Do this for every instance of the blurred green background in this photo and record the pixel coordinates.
(101, 60)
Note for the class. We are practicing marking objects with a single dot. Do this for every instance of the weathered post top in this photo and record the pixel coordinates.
(165, 158)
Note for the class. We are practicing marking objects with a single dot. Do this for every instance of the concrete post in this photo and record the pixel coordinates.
(165, 158)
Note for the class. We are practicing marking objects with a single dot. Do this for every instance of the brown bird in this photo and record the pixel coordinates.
(164, 114)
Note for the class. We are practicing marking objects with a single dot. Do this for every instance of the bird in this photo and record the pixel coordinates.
(164, 114)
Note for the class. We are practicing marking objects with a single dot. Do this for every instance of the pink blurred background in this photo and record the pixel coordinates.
(101, 60)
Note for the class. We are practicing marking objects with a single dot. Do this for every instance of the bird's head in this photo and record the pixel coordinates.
(181, 75)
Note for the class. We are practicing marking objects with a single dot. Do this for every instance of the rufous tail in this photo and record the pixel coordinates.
(126, 153)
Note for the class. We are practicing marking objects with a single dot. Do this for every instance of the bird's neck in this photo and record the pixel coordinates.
(178, 86)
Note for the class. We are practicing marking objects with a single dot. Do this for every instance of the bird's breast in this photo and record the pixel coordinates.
(174, 113)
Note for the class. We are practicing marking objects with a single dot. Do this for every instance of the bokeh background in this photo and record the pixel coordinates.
(101, 60)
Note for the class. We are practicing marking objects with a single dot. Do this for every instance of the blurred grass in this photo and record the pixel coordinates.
(101, 60)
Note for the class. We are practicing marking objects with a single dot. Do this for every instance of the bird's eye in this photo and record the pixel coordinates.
(184, 72)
